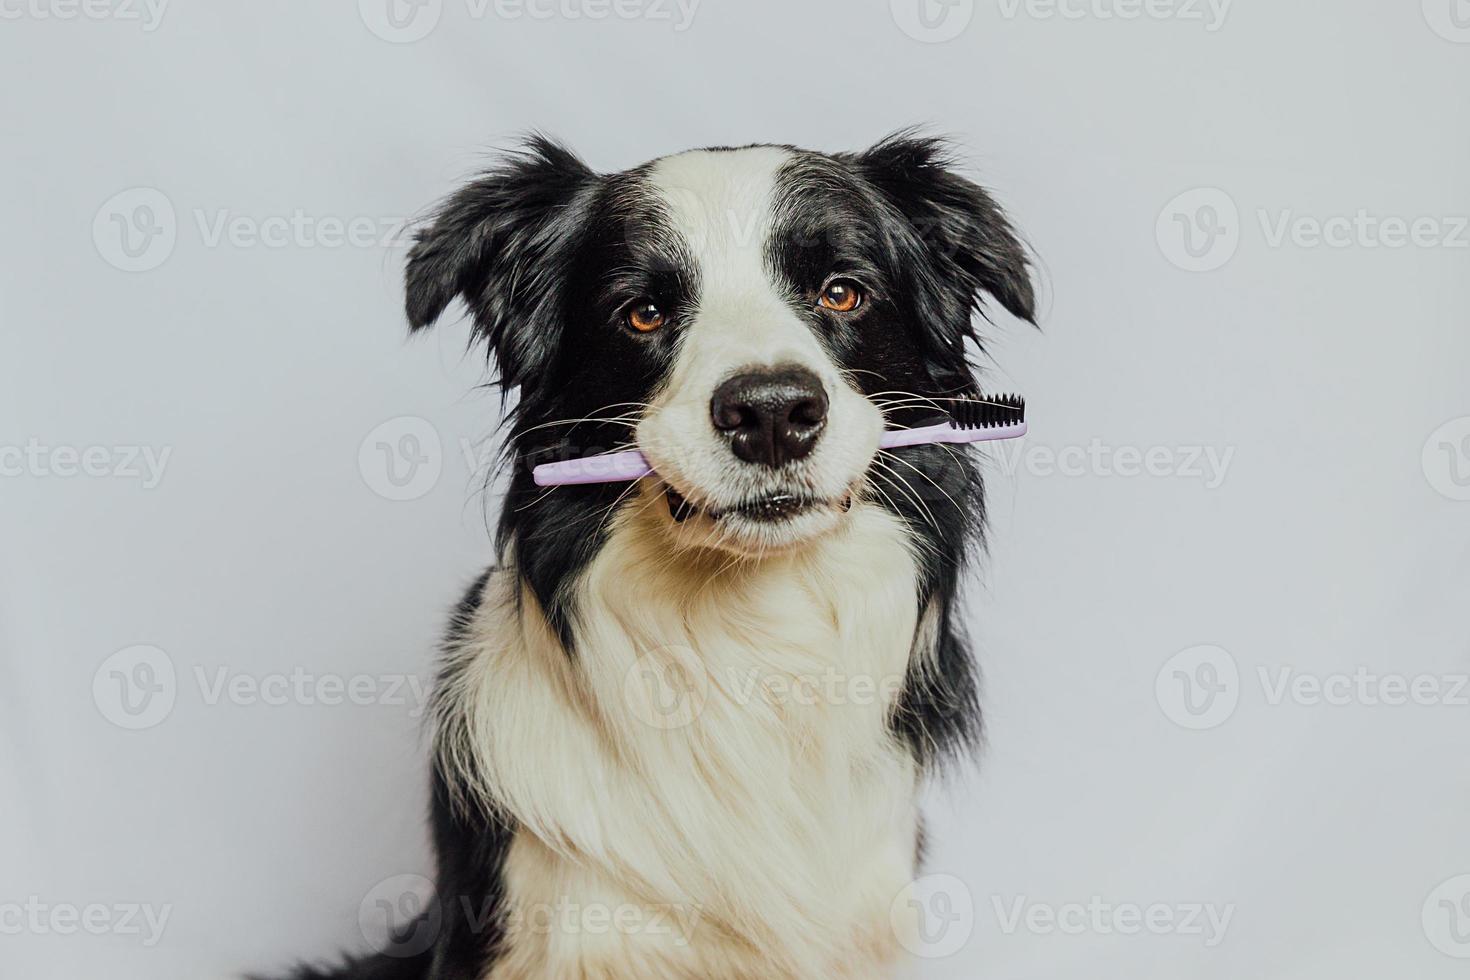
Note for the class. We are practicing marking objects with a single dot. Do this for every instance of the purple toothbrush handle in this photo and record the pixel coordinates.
(607, 468)
(630, 464)
(947, 432)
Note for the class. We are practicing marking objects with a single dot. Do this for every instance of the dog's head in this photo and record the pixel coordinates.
(751, 319)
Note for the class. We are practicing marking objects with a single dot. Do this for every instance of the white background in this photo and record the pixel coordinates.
(1335, 538)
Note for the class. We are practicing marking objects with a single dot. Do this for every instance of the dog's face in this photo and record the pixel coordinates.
(758, 433)
(751, 319)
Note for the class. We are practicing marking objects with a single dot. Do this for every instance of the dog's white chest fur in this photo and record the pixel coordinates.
(707, 787)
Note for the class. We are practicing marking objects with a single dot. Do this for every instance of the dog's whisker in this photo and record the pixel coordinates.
(899, 459)
(626, 419)
(909, 491)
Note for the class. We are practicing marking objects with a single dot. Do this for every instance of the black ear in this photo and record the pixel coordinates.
(961, 231)
(504, 243)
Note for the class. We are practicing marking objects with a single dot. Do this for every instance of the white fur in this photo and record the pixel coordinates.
(770, 807)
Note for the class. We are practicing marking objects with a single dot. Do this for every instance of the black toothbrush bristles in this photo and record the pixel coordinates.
(988, 411)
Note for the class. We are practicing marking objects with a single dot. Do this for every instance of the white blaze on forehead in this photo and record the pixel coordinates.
(722, 204)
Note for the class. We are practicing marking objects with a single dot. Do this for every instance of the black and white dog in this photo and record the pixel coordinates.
(681, 727)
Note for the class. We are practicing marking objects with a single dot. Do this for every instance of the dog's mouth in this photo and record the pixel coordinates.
(770, 508)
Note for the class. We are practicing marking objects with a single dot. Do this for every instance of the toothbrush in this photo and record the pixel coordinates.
(971, 420)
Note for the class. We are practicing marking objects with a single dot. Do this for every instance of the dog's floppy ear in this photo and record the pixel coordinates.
(961, 231)
(503, 243)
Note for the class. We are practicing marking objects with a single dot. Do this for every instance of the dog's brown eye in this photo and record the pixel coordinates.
(842, 295)
(645, 317)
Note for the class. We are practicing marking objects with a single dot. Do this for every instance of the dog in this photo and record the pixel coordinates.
(681, 726)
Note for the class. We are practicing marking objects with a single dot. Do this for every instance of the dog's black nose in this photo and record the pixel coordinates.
(772, 416)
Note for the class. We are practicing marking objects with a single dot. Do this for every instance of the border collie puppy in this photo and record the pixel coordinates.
(682, 724)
